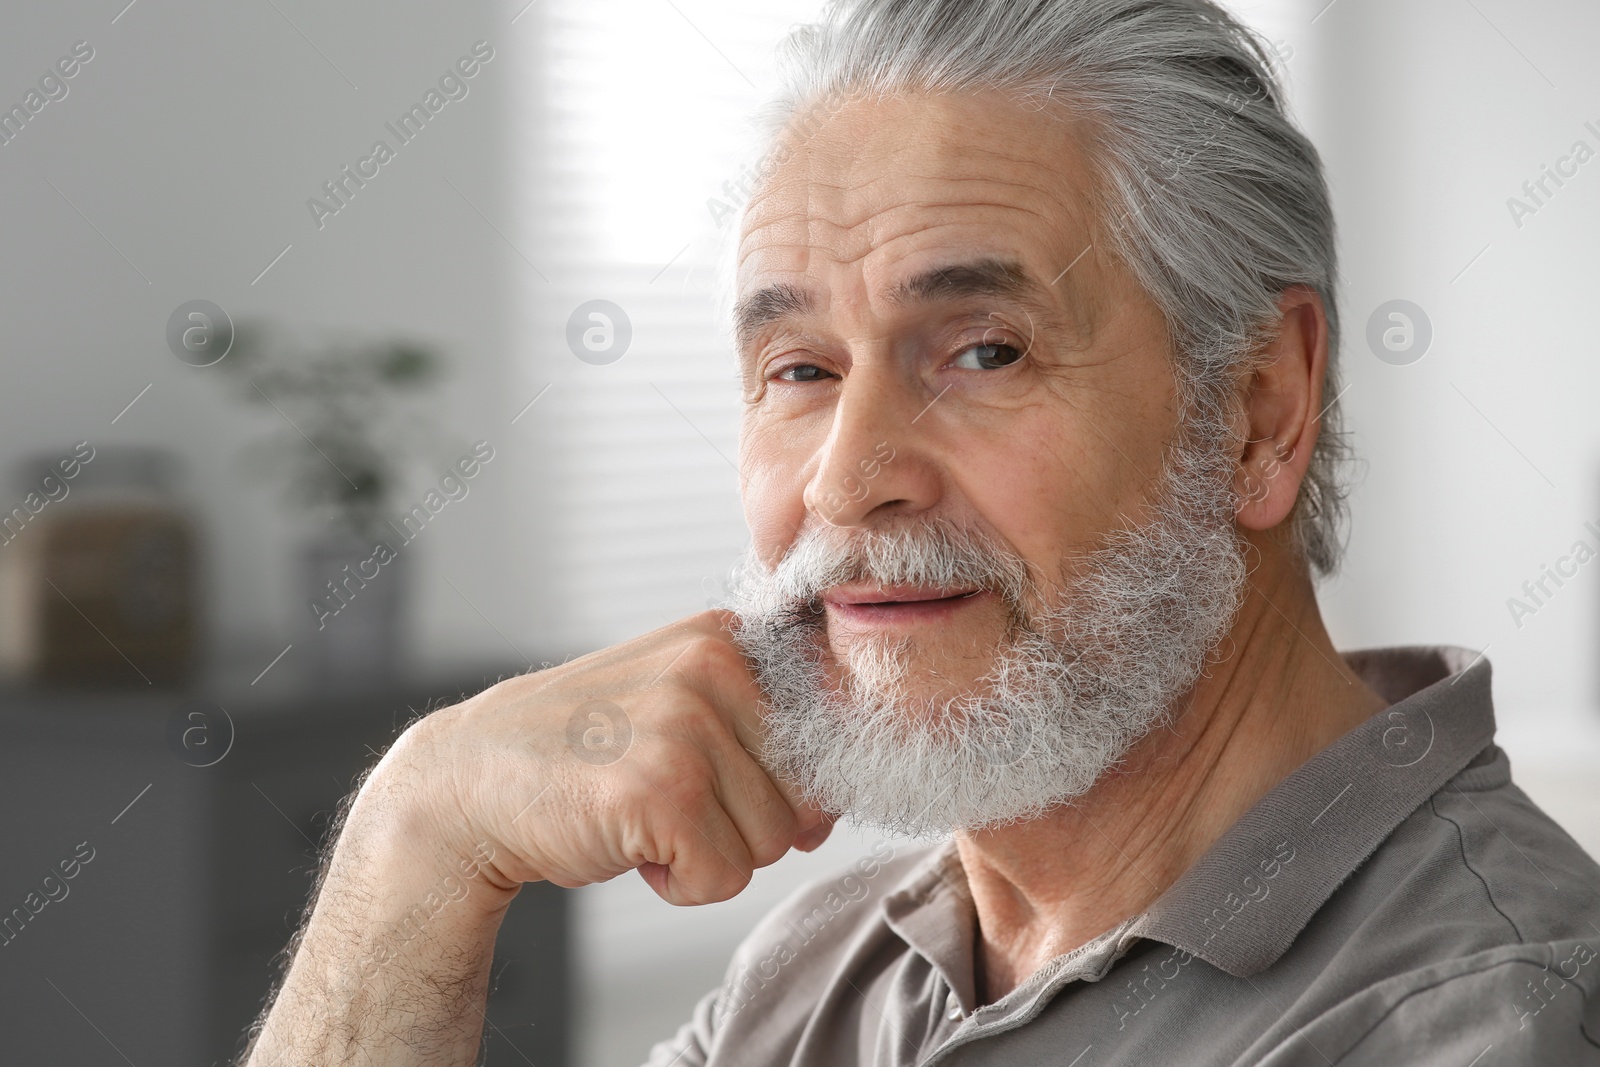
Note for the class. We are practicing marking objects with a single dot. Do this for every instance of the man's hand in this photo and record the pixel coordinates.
(639, 757)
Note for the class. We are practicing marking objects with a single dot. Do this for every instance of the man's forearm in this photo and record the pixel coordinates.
(393, 967)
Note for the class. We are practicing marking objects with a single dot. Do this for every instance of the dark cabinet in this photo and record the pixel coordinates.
(160, 946)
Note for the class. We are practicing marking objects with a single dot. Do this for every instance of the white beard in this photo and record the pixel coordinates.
(1072, 688)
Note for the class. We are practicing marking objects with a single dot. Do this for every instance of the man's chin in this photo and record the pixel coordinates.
(924, 688)
(944, 662)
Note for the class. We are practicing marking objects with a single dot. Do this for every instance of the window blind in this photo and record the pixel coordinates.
(633, 139)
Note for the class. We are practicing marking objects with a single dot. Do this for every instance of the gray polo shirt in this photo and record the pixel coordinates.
(1396, 900)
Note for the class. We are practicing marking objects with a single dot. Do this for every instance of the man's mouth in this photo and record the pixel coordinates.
(873, 603)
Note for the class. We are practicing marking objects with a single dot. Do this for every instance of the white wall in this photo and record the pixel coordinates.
(1481, 458)
(192, 141)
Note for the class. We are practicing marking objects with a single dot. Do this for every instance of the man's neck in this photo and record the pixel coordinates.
(1280, 695)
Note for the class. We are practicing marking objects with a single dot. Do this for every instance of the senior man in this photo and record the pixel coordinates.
(1036, 320)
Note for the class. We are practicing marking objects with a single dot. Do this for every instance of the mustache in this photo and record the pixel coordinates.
(923, 551)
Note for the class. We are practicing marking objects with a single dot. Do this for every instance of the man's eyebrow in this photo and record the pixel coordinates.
(981, 277)
(766, 306)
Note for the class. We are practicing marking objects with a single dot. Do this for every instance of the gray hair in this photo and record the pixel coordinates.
(1216, 201)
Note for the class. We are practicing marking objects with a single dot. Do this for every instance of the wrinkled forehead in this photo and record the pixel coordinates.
(858, 194)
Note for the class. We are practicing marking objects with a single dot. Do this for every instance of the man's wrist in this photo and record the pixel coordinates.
(404, 847)
(416, 903)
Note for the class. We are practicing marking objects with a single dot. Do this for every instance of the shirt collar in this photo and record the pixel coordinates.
(1242, 904)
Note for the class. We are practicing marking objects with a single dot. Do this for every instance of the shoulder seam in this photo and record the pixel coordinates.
(1461, 844)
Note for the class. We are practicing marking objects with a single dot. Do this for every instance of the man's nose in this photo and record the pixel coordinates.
(876, 455)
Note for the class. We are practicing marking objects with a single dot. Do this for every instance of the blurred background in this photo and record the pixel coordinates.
(241, 343)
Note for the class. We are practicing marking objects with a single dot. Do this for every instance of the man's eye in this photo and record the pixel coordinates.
(802, 372)
(988, 357)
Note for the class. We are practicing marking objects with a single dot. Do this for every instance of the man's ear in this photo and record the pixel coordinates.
(1282, 411)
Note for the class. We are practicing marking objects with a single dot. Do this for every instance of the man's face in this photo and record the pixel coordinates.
(932, 328)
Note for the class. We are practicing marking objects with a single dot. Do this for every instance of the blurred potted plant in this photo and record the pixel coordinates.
(350, 424)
